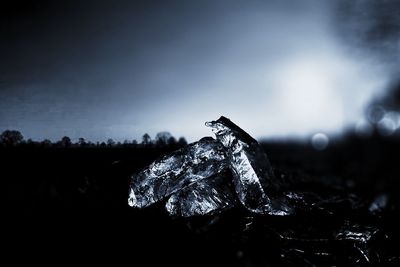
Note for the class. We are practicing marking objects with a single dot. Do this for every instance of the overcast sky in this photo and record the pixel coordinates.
(100, 69)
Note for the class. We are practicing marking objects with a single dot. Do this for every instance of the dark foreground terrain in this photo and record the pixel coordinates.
(69, 206)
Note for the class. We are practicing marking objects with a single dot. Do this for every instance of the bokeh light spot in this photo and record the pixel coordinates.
(320, 141)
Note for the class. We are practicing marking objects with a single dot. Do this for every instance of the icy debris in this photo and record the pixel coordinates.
(361, 237)
(379, 204)
(255, 183)
(204, 197)
(192, 176)
(357, 233)
(175, 171)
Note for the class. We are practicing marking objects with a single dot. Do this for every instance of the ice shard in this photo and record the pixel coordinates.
(205, 197)
(361, 237)
(254, 180)
(172, 172)
(379, 204)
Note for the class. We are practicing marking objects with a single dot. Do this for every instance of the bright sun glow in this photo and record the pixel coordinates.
(309, 97)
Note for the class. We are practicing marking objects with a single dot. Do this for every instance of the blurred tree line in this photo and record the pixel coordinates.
(12, 138)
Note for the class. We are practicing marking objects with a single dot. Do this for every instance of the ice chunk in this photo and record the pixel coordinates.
(379, 204)
(253, 178)
(254, 181)
(172, 172)
(205, 197)
(357, 233)
(361, 237)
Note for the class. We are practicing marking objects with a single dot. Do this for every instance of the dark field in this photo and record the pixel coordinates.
(69, 205)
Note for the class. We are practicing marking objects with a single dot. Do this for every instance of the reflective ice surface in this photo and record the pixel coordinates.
(204, 197)
(328, 223)
(192, 176)
(254, 180)
(175, 171)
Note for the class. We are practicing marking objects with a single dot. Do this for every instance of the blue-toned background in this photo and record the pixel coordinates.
(100, 69)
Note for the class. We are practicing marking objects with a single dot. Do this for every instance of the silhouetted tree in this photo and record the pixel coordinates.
(182, 141)
(81, 142)
(46, 143)
(90, 144)
(11, 137)
(162, 138)
(65, 141)
(172, 141)
(110, 142)
(134, 142)
(146, 139)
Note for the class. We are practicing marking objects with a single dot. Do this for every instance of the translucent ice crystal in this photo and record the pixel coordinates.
(175, 171)
(204, 197)
(197, 177)
(253, 177)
